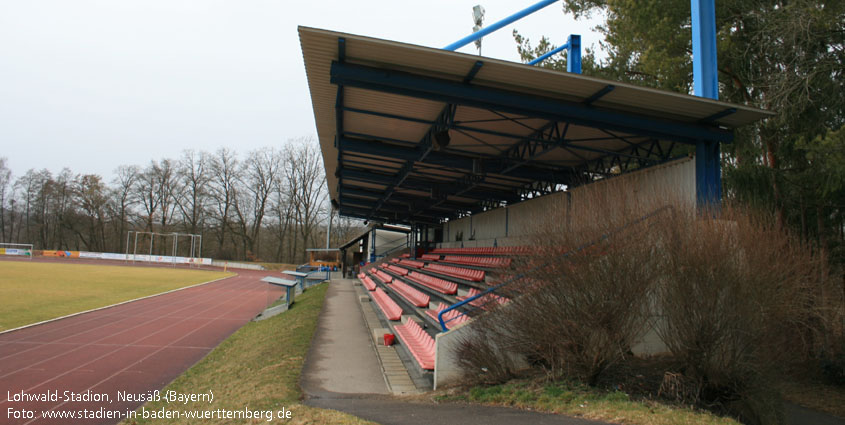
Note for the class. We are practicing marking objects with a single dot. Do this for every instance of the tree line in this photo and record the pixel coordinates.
(270, 204)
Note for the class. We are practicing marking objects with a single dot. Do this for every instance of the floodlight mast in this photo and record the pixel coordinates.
(498, 25)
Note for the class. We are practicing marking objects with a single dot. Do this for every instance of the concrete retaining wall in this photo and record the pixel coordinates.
(514, 224)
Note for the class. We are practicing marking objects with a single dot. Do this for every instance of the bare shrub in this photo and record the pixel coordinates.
(482, 361)
(738, 299)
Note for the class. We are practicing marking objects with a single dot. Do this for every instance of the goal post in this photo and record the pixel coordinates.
(160, 247)
(17, 249)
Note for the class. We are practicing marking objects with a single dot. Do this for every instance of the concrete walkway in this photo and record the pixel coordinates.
(341, 358)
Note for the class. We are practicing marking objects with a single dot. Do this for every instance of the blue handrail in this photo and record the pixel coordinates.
(523, 274)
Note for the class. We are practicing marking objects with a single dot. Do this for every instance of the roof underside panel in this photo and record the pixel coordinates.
(415, 134)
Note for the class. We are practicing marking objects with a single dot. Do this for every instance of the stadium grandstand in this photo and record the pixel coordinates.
(461, 153)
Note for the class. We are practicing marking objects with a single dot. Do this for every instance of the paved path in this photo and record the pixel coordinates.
(134, 347)
(341, 358)
(342, 373)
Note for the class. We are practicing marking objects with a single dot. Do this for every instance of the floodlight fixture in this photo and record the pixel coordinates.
(478, 19)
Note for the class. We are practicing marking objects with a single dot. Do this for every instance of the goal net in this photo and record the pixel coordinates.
(17, 249)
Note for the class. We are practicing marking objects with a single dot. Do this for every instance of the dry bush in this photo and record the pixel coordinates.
(482, 361)
(738, 299)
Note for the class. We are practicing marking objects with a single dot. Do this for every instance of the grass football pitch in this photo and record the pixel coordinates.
(32, 292)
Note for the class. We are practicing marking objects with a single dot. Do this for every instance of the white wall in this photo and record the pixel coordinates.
(514, 224)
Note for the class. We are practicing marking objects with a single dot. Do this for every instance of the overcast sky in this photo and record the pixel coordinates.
(91, 85)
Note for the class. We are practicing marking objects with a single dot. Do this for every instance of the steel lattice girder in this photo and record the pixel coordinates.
(453, 161)
(443, 188)
(456, 93)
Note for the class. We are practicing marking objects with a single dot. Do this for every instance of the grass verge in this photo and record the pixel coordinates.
(579, 400)
(33, 292)
(258, 368)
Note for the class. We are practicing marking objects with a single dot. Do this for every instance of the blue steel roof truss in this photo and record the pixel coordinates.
(400, 181)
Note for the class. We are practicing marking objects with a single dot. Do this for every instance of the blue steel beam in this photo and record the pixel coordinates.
(708, 176)
(549, 54)
(403, 83)
(498, 25)
(599, 94)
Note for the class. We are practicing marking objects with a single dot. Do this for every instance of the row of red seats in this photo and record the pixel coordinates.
(490, 250)
(389, 307)
(453, 317)
(412, 263)
(398, 270)
(413, 295)
(482, 301)
(478, 261)
(368, 283)
(430, 257)
(382, 276)
(436, 283)
(459, 272)
(418, 342)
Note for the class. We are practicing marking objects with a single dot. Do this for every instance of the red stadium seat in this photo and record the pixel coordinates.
(459, 272)
(387, 306)
(453, 317)
(436, 283)
(414, 296)
(368, 283)
(418, 342)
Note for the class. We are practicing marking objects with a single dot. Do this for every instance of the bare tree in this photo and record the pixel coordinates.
(91, 199)
(146, 192)
(122, 198)
(194, 176)
(166, 186)
(310, 195)
(225, 170)
(5, 182)
(259, 174)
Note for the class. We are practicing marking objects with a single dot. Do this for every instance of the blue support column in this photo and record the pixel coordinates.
(708, 175)
(573, 56)
(373, 245)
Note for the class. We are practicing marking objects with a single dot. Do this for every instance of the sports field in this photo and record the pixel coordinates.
(32, 292)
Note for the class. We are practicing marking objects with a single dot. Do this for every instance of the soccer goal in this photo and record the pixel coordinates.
(174, 248)
(19, 249)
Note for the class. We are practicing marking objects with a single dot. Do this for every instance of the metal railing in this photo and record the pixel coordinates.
(565, 256)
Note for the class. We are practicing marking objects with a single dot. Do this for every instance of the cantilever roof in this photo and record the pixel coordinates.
(380, 107)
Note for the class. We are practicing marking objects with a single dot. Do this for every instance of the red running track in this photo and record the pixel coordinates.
(134, 347)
